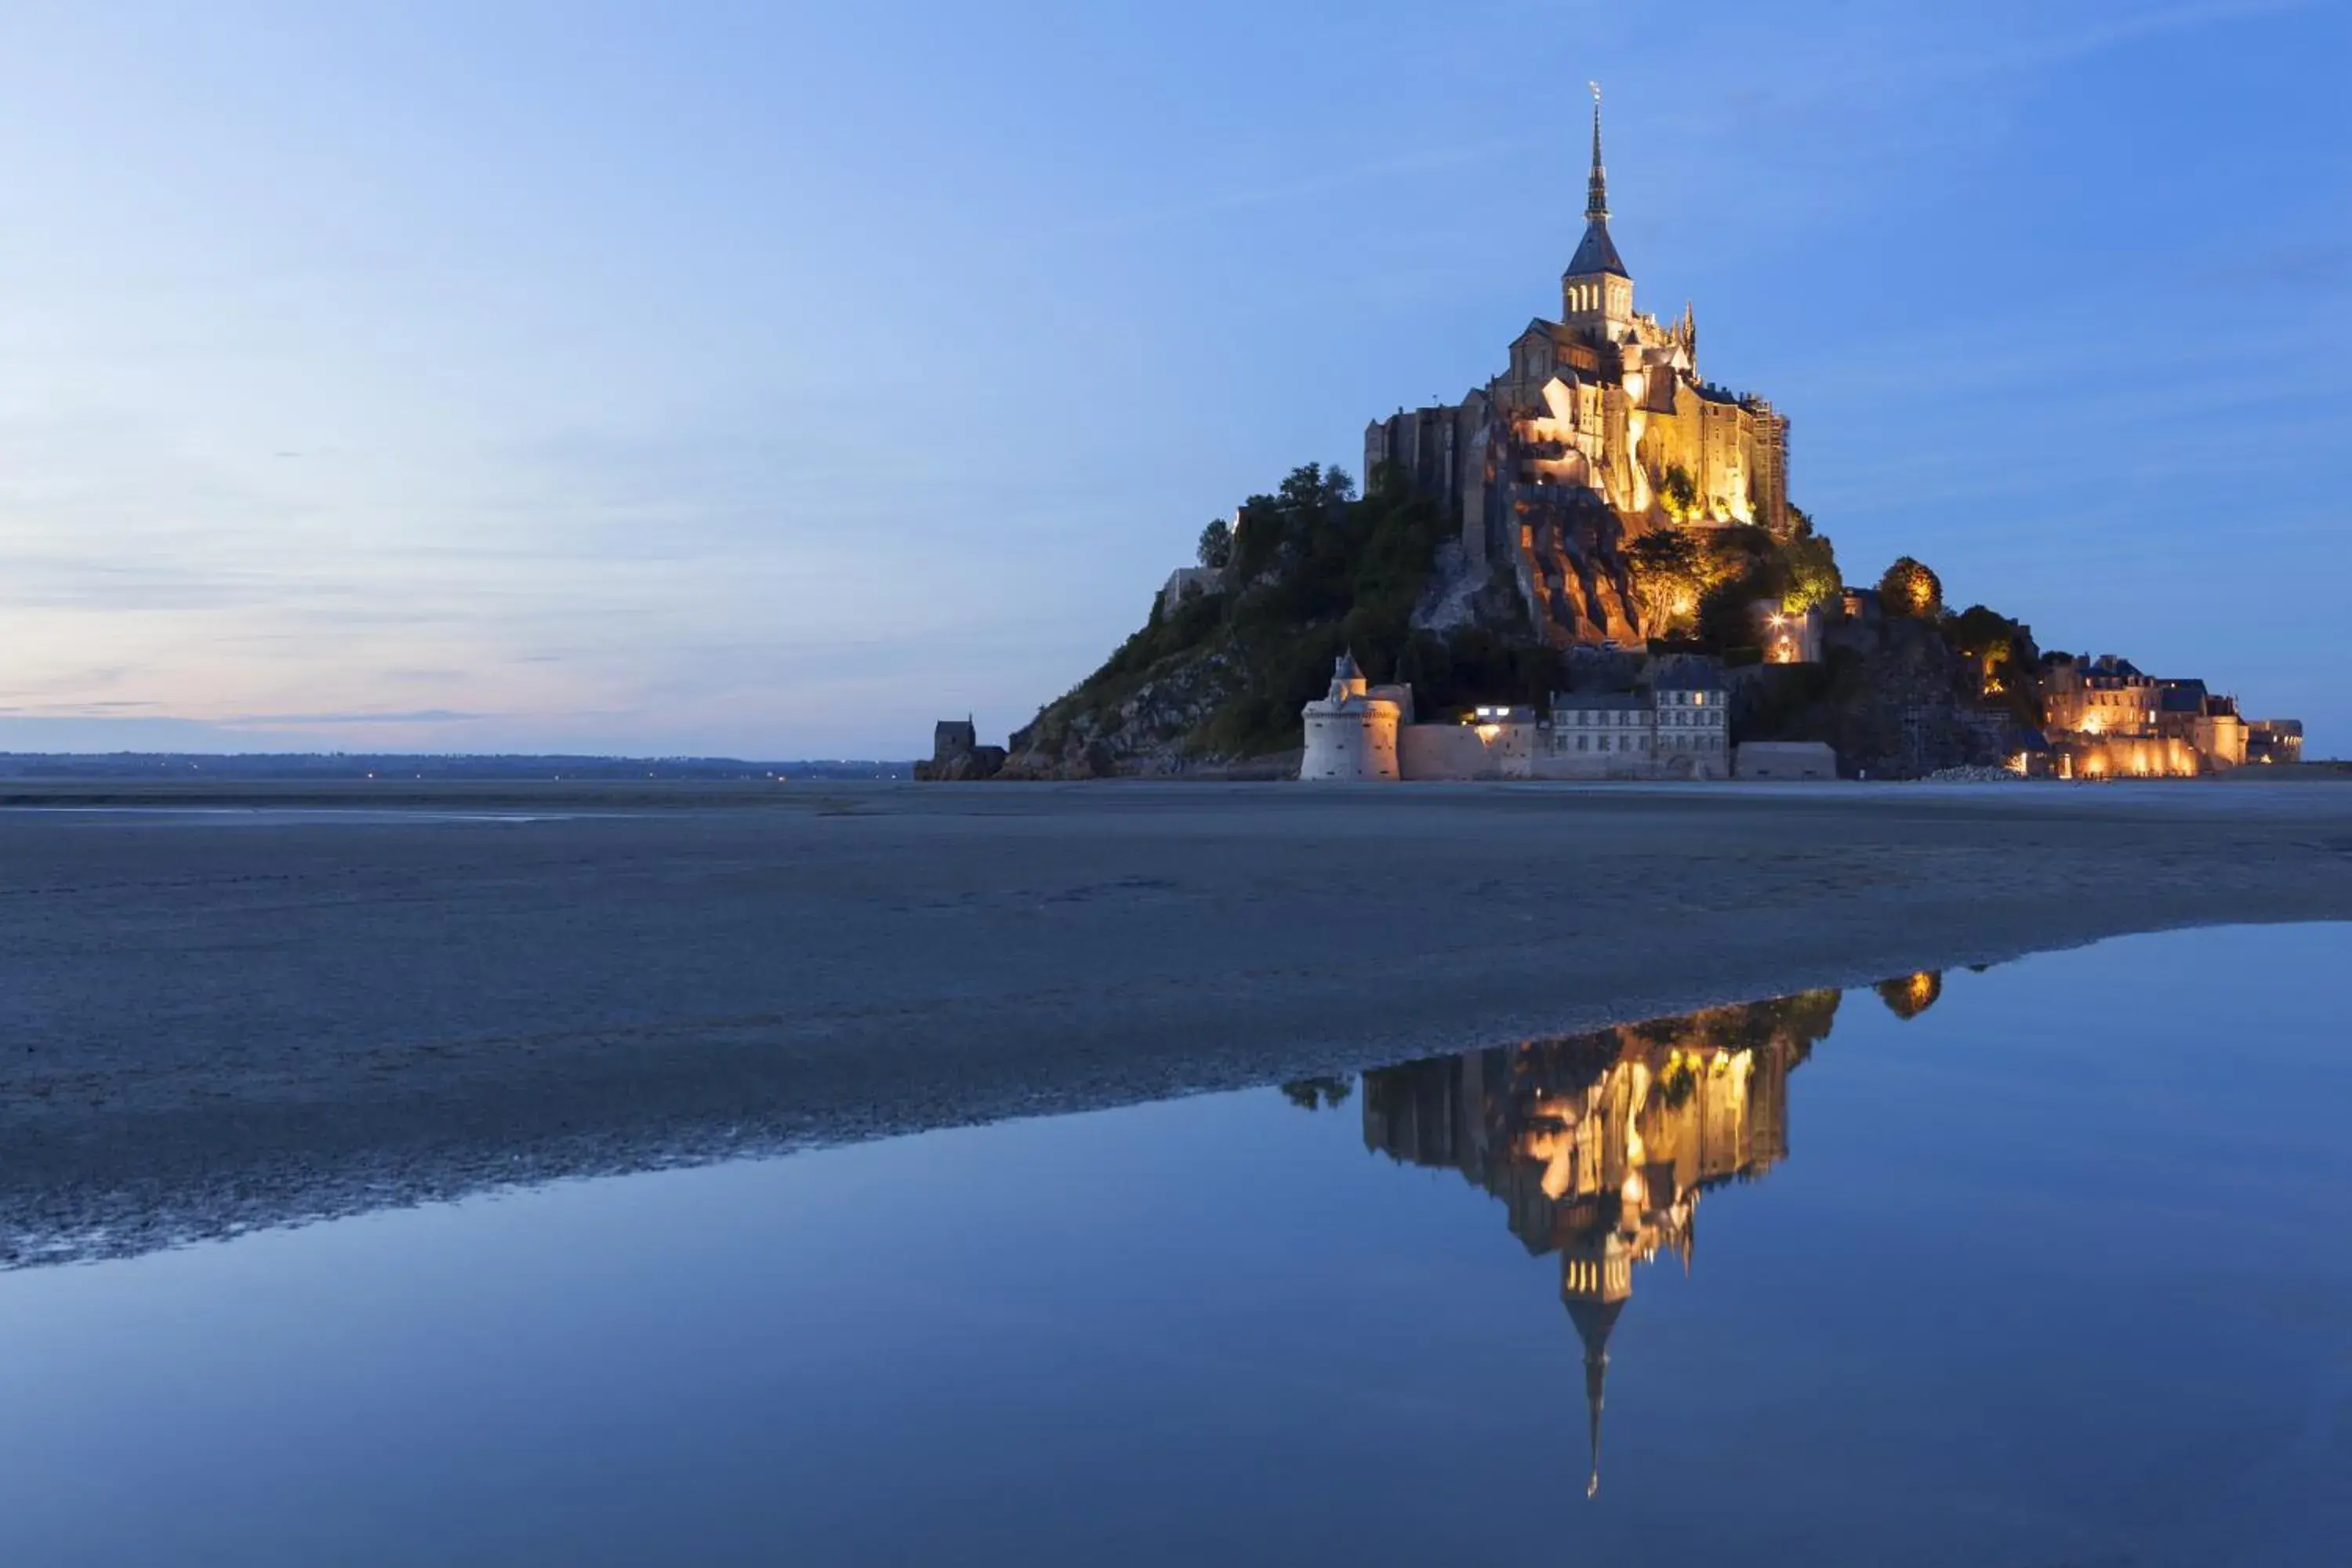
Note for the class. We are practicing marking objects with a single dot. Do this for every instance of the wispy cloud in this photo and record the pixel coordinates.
(415, 716)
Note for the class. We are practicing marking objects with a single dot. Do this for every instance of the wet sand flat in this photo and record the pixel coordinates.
(236, 1006)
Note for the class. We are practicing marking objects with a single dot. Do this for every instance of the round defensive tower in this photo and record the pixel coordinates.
(1351, 733)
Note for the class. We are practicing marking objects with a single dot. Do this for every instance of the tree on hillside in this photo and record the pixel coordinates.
(1910, 589)
(1216, 547)
(2000, 657)
(1669, 576)
(1678, 493)
(1812, 569)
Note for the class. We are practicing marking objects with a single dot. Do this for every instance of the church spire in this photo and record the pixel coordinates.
(1586, 299)
(1596, 189)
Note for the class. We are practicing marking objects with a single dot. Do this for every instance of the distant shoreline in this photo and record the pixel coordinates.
(209, 1028)
(616, 793)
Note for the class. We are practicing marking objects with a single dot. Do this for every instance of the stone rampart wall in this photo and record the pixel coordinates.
(1462, 751)
(2160, 757)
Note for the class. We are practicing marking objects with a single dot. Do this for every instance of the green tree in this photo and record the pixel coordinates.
(1669, 577)
(1216, 547)
(2000, 659)
(1809, 564)
(1909, 588)
(1678, 493)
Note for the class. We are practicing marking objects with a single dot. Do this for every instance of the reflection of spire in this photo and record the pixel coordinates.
(1593, 1319)
(1603, 1146)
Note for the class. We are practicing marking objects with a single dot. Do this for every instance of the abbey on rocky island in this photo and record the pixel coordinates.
(1599, 430)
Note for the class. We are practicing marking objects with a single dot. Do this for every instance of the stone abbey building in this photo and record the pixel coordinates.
(1597, 430)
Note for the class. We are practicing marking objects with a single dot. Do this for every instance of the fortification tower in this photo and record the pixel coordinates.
(1351, 733)
(1596, 292)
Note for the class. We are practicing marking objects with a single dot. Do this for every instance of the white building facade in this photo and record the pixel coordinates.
(1672, 731)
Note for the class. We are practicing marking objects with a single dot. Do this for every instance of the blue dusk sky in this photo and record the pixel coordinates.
(773, 379)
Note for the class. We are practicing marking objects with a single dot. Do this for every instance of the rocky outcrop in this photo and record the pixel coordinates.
(1573, 573)
(1145, 730)
(1893, 699)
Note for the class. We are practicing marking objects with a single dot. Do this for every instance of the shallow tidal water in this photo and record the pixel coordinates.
(2047, 1265)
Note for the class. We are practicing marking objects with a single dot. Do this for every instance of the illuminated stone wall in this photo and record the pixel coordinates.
(2106, 719)
(2100, 697)
(2126, 757)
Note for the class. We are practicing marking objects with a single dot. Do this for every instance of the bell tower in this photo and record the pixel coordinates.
(1596, 292)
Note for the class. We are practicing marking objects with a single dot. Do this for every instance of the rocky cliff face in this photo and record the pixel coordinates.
(1893, 699)
(1573, 573)
(1148, 728)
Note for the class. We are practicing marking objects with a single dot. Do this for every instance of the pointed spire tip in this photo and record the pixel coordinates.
(1596, 203)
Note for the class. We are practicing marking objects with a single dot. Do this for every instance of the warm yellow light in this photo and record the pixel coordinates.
(1487, 733)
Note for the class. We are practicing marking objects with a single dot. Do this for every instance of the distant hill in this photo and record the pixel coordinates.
(325, 765)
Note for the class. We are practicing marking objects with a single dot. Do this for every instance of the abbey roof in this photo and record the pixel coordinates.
(1597, 253)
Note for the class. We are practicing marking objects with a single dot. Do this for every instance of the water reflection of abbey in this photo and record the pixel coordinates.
(1602, 1145)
